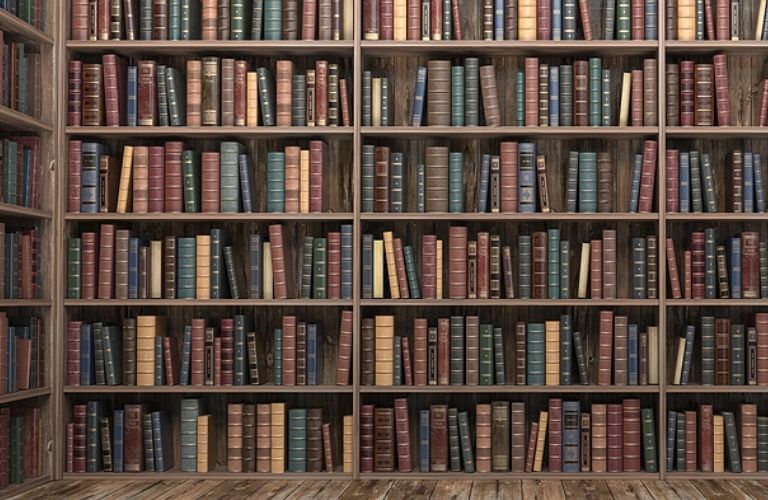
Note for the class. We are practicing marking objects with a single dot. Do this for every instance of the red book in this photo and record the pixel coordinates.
(595, 269)
(443, 351)
(103, 19)
(133, 438)
(750, 265)
(156, 179)
(419, 351)
(457, 262)
(114, 101)
(543, 20)
(638, 19)
(532, 438)
(687, 93)
(698, 265)
(321, 93)
(615, 438)
(761, 325)
(387, 19)
(413, 20)
(79, 20)
(279, 269)
(210, 182)
(637, 98)
(674, 278)
(88, 268)
(403, 435)
(402, 278)
(586, 24)
(289, 350)
(146, 93)
(723, 19)
(174, 178)
(171, 358)
(671, 166)
(648, 177)
(723, 351)
(632, 439)
(241, 75)
(227, 351)
(706, 458)
(555, 435)
(74, 93)
(334, 265)
(73, 354)
(317, 160)
(436, 21)
(406, 354)
(508, 167)
(709, 19)
(80, 438)
(690, 441)
(722, 90)
(605, 348)
(328, 447)
(532, 90)
(688, 274)
(429, 266)
(74, 168)
(106, 260)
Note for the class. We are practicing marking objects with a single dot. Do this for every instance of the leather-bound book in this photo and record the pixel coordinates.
(491, 109)
(750, 265)
(370, 19)
(209, 21)
(403, 436)
(367, 430)
(194, 92)
(156, 179)
(672, 95)
(671, 168)
(609, 263)
(74, 93)
(210, 92)
(89, 266)
(146, 93)
(439, 93)
(93, 97)
(748, 435)
(277, 438)
(314, 440)
(367, 343)
(581, 93)
(604, 182)
(517, 434)
(620, 350)
(289, 350)
(483, 436)
(344, 359)
(690, 441)
(718, 443)
(384, 439)
(402, 277)
(381, 179)
(723, 20)
(114, 101)
(605, 349)
(133, 438)
(235, 437)
(761, 325)
(386, 19)
(420, 352)
(443, 350)
(438, 438)
(722, 90)
(79, 20)
(687, 93)
(283, 280)
(539, 265)
(327, 447)
(321, 93)
(159, 20)
(599, 442)
(705, 438)
(263, 437)
(531, 91)
(457, 262)
(650, 98)
(500, 436)
(317, 162)
(284, 75)
(472, 350)
(227, 89)
(632, 441)
(106, 261)
(384, 349)
(704, 95)
(309, 20)
(197, 352)
(429, 266)
(614, 438)
(436, 179)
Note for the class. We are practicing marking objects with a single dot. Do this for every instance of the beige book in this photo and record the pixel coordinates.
(399, 10)
(439, 270)
(376, 102)
(540, 438)
(251, 99)
(389, 252)
(348, 444)
(718, 443)
(203, 266)
(679, 360)
(156, 269)
(277, 440)
(348, 19)
(378, 269)
(205, 447)
(686, 20)
(653, 355)
(626, 98)
(526, 20)
(147, 328)
(385, 350)
(552, 350)
(304, 181)
(760, 20)
(584, 271)
(266, 272)
(124, 191)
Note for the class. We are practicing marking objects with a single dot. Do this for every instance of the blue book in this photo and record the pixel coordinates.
(526, 178)
(133, 268)
(89, 176)
(424, 441)
(131, 111)
(278, 356)
(651, 22)
(734, 270)
(553, 263)
(557, 22)
(690, 335)
(241, 356)
(571, 436)
(186, 353)
(346, 261)
(483, 182)
(185, 268)
(684, 187)
(312, 354)
(118, 430)
(633, 368)
(519, 99)
(535, 354)
(634, 194)
(671, 438)
(765, 29)
(554, 83)
(243, 162)
(759, 187)
(87, 368)
(498, 20)
(419, 93)
(749, 183)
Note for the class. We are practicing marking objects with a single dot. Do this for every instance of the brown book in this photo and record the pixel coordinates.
(722, 91)
(687, 93)
(674, 278)
(301, 353)
(585, 444)
(596, 269)
(483, 265)
(74, 93)
(723, 20)
(609, 263)
(289, 350)
(406, 353)
(648, 175)
(483, 437)
(106, 261)
(210, 192)
(156, 179)
(508, 176)
(194, 89)
(210, 92)
(539, 265)
(436, 179)
(292, 178)
(615, 437)
(235, 437)
(500, 436)
(605, 186)
(439, 95)
(384, 440)
(381, 179)
(491, 109)
(367, 439)
(402, 278)
(277, 439)
(146, 93)
(315, 440)
(222, 20)
(89, 266)
(368, 356)
(344, 103)
(750, 265)
(327, 447)
(241, 93)
(114, 101)
(321, 93)
(249, 437)
(532, 440)
(263, 437)
(472, 269)
(384, 349)
(402, 430)
(723, 351)
(133, 437)
(438, 438)
(706, 437)
(531, 91)
(599, 414)
(209, 22)
(227, 86)
(429, 266)
(605, 348)
(517, 434)
(673, 95)
(763, 120)
(280, 271)
(650, 85)
(520, 352)
(555, 434)
(457, 262)
(309, 20)
(761, 325)
(472, 350)
(735, 195)
(586, 24)
(159, 20)
(690, 441)
(93, 97)
(632, 442)
(79, 20)
(543, 95)
(317, 162)
(283, 92)
(290, 19)
(580, 93)
(344, 360)
(748, 437)
(704, 95)
(443, 352)
(541, 181)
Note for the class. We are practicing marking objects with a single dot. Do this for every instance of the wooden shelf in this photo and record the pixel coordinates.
(610, 48)
(11, 24)
(717, 132)
(510, 302)
(731, 47)
(177, 475)
(16, 121)
(511, 217)
(7, 210)
(716, 389)
(500, 476)
(208, 217)
(510, 389)
(207, 303)
(24, 395)
(716, 302)
(508, 131)
(207, 389)
(25, 303)
(702, 476)
(341, 48)
(212, 132)
(717, 217)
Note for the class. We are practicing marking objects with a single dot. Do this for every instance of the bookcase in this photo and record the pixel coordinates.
(343, 178)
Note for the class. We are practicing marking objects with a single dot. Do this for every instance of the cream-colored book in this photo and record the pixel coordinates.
(124, 191)
(389, 253)
(378, 269)
(653, 355)
(526, 20)
(348, 444)
(252, 99)
(400, 16)
(718, 443)
(147, 328)
(376, 102)
(760, 20)
(679, 360)
(304, 181)
(439, 270)
(385, 349)
(584, 271)
(203, 266)
(686, 20)
(552, 353)
(277, 440)
(540, 438)
(349, 19)
(205, 447)
(156, 269)
(626, 98)
(267, 289)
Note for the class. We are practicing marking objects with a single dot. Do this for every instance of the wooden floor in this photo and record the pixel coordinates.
(397, 490)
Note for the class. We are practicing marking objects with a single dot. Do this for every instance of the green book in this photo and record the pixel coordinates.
(520, 99)
(565, 270)
(217, 264)
(113, 354)
(486, 355)
(410, 271)
(457, 96)
(553, 263)
(74, 251)
(190, 164)
(649, 440)
(456, 182)
(454, 445)
(190, 20)
(498, 356)
(731, 442)
(297, 440)
(238, 19)
(177, 97)
(587, 181)
(319, 265)
(174, 19)
(162, 97)
(421, 190)
(95, 411)
(16, 451)
(465, 437)
(273, 19)
(457, 350)
(266, 95)
(306, 267)
(680, 446)
(566, 377)
(185, 268)
(605, 101)
(191, 408)
(98, 354)
(241, 363)
(535, 354)
(524, 269)
(257, 19)
(595, 90)
(623, 20)
(230, 176)
(275, 181)
(762, 444)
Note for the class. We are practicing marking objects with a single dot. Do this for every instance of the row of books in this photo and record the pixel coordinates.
(698, 93)
(731, 353)
(20, 171)
(21, 446)
(699, 440)
(216, 91)
(19, 89)
(142, 353)
(175, 179)
(30, 11)
(712, 20)
(507, 20)
(462, 351)
(135, 439)
(212, 20)
(205, 266)
(736, 270)
(20, 257)
(691, 185)
(614, 437)
(483, 268)
(22, 353)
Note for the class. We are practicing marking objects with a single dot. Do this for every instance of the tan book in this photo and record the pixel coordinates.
(348, 444)
(552, 350)
(205, 443)
(679, 360)
(292, 179)
(304, 181)
(626, 98)
(400, 15)
(378, 269)
(439, 270)
(389, 253)
(124, 191)
(718, 443)
(653, 355)
(376, 102)
(203, 266)
(140, 175)
(252, 99)
(147, 328)
(583, 272)
(540, 438)
(385, 350)
(268, 288)
(760, 20)
(156, 269)
(526, 24)
(686, 20)
(277, 440)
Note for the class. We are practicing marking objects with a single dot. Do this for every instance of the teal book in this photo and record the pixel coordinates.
(605, 99)
(498, 356)
(174, 19)
(566, 370)
(457, 96)
(190, 165)
(486, 355)
(520, 99)
(74, 256)
(273, 19)
(587, 181)
(595, 90)
(278, 356)
(471, 91)
(411, 273)
(297, 440)
(306, 268)
(275, 181)
(553, 263)
(191, 408)
(162, 97)
(239, 19)
(230, 176)
(535, 354)
(177, 97)
(456, 182)
(319, 269)
(565, 270)
(185, 268)
(218, 272)
(623, 20)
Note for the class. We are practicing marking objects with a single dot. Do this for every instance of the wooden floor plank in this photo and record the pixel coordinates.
(411, 489)
(275, 490)
(660, 490)
(542, 490)
(366, 490)
(510, 489)
(452, 490)
(720, 489)
(96, 490)
(586, 489)
(482, 490)
(48, 490)
(319, 490)
(236, 489)
(628, 490)
(685, 490)
(755, 489)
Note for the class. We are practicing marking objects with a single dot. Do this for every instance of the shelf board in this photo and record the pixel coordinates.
(209, 217)
(717, 132)
(523, 217)
(14, 120)
(212, 132)
(215, 47)
(511, 388)
(11, 24)
(717, 217)
(613, 48)
(736, 47)
(510, 302)
(552, 476)
(7, 210)
(716, 389)
(207, 389)
(702, 476)
(508, 131)
(25, 303)
(176, 475)
(24, 395)
(716, 302)
(207, 303)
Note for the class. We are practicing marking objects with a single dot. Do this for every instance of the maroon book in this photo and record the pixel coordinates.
(73, 352)
(227, 351)
(366, 438)
(173, 199)
(615, 438)
(74, 93)
(156, 179)
(555, 435)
